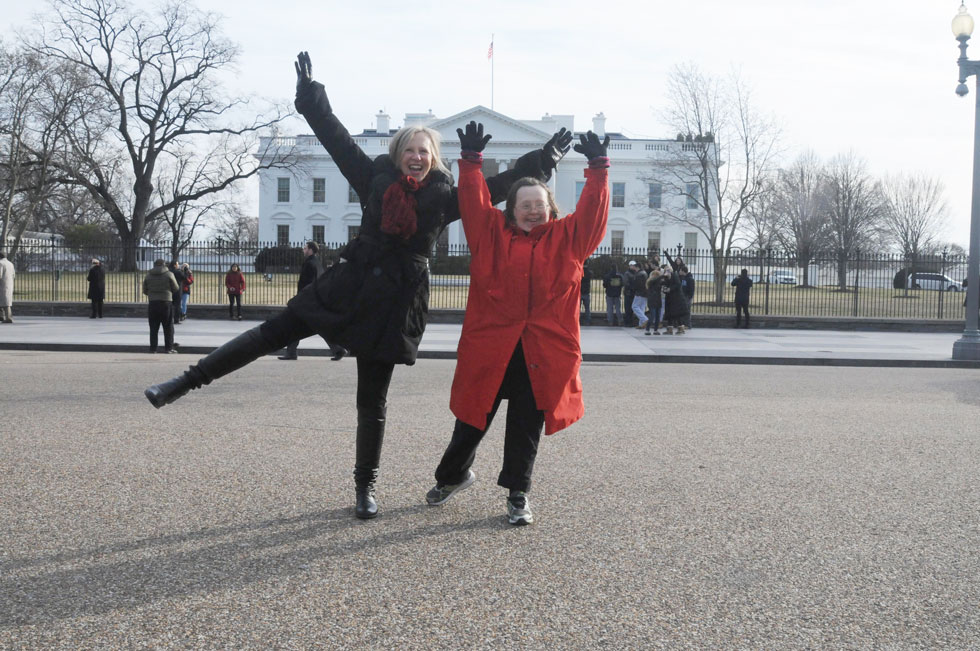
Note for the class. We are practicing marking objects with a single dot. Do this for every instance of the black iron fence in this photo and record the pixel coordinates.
(862, 285)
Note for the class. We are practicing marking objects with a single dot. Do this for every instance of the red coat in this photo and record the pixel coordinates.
(524, 287)
(235, 282)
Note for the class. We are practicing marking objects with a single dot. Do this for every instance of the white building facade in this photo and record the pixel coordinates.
(314, 201)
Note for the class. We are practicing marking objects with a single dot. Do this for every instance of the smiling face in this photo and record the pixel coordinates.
(531, 207)
(416, 159)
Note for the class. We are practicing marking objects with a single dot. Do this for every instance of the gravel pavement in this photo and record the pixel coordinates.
(724, 506)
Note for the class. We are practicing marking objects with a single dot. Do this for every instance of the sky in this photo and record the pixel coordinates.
(873, 78)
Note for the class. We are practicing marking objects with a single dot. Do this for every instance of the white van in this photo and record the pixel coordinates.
(928, 280)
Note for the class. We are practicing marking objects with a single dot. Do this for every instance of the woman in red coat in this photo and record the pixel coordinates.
(235, 286)
(520, 337)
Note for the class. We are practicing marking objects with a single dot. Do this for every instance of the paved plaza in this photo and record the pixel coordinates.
(695, 506)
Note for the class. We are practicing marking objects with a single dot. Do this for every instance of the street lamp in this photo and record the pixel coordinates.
(967, 347)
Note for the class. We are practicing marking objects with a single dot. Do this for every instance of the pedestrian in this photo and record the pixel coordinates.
(309, 272)
(612, 282)
(675, 305)
(374, 302)
(159, 286)
(96, 288)
(628, 293)
(185, 290)
(7, 274)
(655, 300)
(687, 288)
(177, 297)
(639, 287)
(743, 285)
(235, 286)
(587, 294)
(520, 337)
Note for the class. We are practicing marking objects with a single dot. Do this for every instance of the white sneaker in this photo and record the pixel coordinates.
(519, 509)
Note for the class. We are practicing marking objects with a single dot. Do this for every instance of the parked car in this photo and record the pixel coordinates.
(927, 280)
(782, 277)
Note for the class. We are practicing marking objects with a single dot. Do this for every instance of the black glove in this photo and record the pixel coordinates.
(473, 139)
(590, 146)
(304, 72)
(555, 149)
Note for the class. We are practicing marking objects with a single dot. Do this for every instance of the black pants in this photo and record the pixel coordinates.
(373, 377)
(523, 432)
(160, 313)
(232, 299)
(739, 308)
(96, 309)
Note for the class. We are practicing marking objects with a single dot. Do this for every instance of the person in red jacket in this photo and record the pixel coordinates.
(520, 337)
(235, 285)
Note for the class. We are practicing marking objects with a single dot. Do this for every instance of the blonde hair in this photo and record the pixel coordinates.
(400, 141)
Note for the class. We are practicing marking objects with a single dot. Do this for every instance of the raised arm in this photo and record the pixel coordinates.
(538, 164)
(312, 103)
(588, 222)
(474, 201)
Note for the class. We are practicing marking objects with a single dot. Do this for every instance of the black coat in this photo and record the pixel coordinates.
(96, 283)
(179, 275)
(675, 305)
(375, 300)
(742, 285)
(613, 283)
(309, 272)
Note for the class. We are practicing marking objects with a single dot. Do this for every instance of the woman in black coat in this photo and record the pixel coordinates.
(676, 308)
(96, 287)
(374, 301)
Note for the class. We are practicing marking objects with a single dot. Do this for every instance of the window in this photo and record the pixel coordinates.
(352, 232)
(691, 191)
(617, 242)
(618, 195)
(282, 190)
(319, 234)
(656, 190)
(690, 243)
(579, 186)
(319, 191)
(351, 195)
(282, 234)
(653, 242)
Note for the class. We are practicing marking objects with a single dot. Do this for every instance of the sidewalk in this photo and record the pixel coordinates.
(599, 343)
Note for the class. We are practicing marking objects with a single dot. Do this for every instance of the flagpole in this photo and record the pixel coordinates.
(491, 72)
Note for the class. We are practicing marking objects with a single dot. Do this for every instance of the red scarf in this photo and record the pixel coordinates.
(399, 208)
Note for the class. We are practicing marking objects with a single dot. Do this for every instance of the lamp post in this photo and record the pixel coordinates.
(967, 347)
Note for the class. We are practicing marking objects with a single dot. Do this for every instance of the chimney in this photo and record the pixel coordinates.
(599, 124)
(381, 119)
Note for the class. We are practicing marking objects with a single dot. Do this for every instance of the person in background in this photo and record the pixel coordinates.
(687, 288)
(639, 286)
(675, 305)
(743, 285)
(612, 282)
(587, 294)
(628, 293)
(309, 272)
(655, 300)
(7, 274)
(520, 337)
(185, 289)
(96, 288)
(235, 286)
(176, 298)
(159, 286)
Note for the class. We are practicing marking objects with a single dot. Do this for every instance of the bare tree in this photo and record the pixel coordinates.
(760, 223)
(916, 212)
(801, 202)
(235, 229)
(855, 208)
(722, 166)
(157, 81)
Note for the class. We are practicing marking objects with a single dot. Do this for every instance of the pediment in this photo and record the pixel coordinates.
(501, 127)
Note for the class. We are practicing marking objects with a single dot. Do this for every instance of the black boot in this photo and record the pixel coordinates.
(231, 356)
(370, 436)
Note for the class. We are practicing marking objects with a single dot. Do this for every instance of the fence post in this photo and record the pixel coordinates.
(857, 275)
(942, 294)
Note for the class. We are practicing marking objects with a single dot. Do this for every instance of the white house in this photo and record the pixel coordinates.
(317, 202)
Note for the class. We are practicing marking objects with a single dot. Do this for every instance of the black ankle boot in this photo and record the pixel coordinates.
(370, 436)
(231, 356)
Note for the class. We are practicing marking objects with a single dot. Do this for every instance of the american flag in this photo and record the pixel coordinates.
(490, 51)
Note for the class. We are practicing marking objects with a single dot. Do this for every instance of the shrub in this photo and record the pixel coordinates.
(279, 259)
